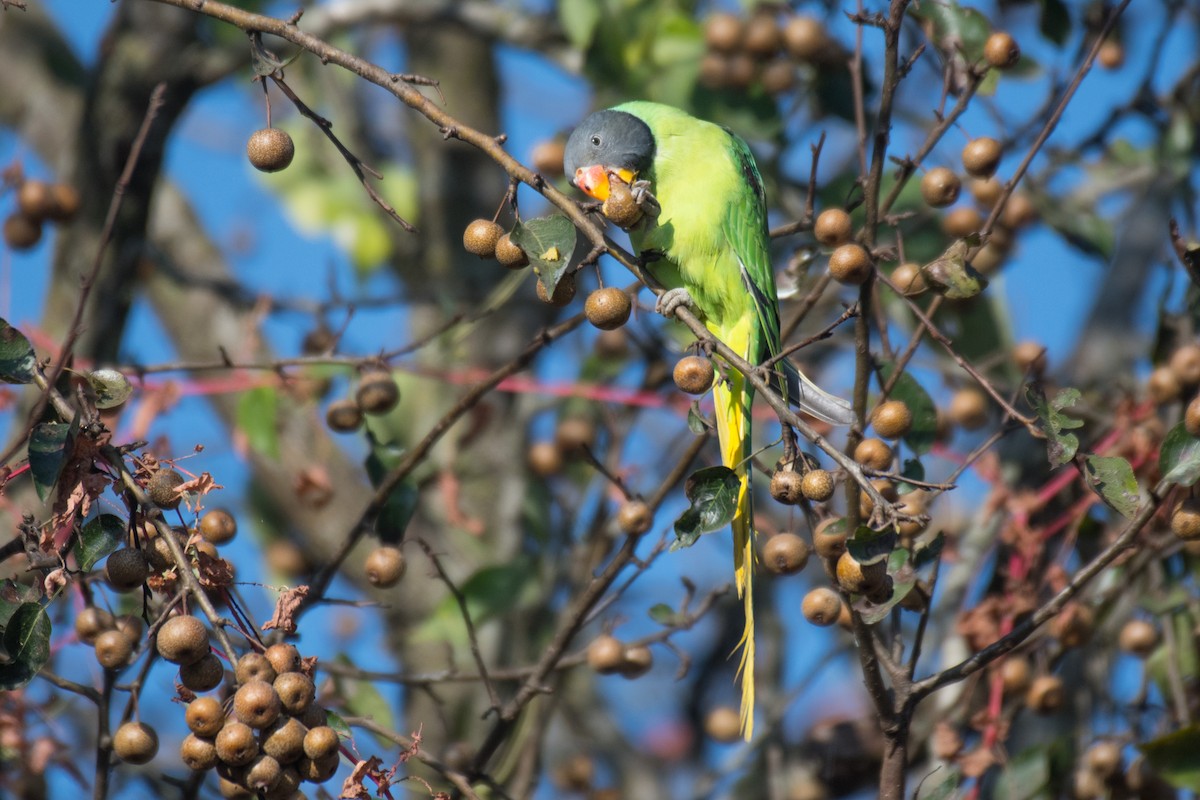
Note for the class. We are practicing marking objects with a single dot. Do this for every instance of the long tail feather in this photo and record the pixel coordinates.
(732, 403)
(816, 401)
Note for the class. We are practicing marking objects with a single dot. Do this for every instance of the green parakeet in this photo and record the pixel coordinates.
(710, 226)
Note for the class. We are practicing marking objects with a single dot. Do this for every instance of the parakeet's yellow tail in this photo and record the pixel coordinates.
(732, 411)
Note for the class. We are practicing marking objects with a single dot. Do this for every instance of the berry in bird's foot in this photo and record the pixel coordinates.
(908, 279)
(218, 526)
(969, 409)
(805, 38)
(182, 640)
(608, 308)
(509, 253)
(270, 149)
(161, 488)
(873, 454)
(135, 743)
(1001, 50)
(22, 232)
(126, 569)
(785, 554)
(377, 392)
(621, 207)
(821, 606)
(850, 264)
(940, 187)
(981, 156)
(693, 374)
(723, 724)
(385, 567)
(787, 487)
(892, 419)
(606, 654)
(817, 485)
(481, 237)
(833, 227)
(564, 292)
(343, 416)
(635, 517)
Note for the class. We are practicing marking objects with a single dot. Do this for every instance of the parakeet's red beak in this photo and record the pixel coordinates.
(593, 180)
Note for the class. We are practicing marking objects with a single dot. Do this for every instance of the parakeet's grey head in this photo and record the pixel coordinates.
(607, 141)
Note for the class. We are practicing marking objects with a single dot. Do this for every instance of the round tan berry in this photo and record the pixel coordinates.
(986, 191)
(1018, 212)
(1111, 54)
(805, 38)
(608, 308)
(723, 32)
(635, 517)
(1073, 626)
(762, 37)
(262, 774)
(64, 202)
(817, 485)
(1016, 674)
(981, 156)
(1185, 363)
(509, 253)
(940, 187)
(131, 626)
(1030, 357)
(270, 149)
(288, 786)
(254, 667)
(204, 716)
(858, 578)
(886, 489)
(547, 157)
(1185, 522)
(284, 740)
(1138, 637)
(909, 279)
(544, 459)
(256, 704)
(714, 70)
(319, 770)
(1103, 758)
(283, 657)
(230, 790)
(35, 199)
(787, 487)
(573, 434)
(197, 753)
(1087, 785)
(314, 717)
(1001, 50)
(237, 745)
(22, 232)
(892, 419)
(873, 454)
(135, 743)
(850, 265)
(480, 238)
(961, 222)
(203, 675)
(296, 692)
(821, 606)
(218, 526)
(113, 649)
(343, 416)
(564, 292)
(606, 654)
(162, 488)
(636, 662)
(1046, 694)
(385, 566)
(321, 742)
(576, 773)
(779, 76)
(969, 409)
(742, 69)
(829, 538)
(91, 622)
(284, 557)
(612, 344)
(1163, 385)
(723, 724)
(182, 640)
(377, 392)
(785, 554)
(1191, 416)
(620, 208)
(694, 374)
(833, 227)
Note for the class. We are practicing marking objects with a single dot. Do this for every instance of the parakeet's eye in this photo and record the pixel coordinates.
(595, 141)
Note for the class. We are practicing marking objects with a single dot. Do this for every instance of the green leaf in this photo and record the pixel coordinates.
(695, 420)
(257, 418)
(1055, 22)
(869, 546)
(955, 28)
(110, 386)
(913, 470)
(49, 445)
(713, 494)
(1112, 478)
(12, 596)
(489, 592)
(18, 363)
(548, 242)
(1179, 457)
(1176, 757)
(1025, 776)
(97, 539)
(1077, 221)
(921, 435)
(579, 19)
(1060, 447)
(951, 276)
(27, 641)
(943, 789)
(663, 614)
(335, 721)
(1159, 666)
(929, 553)
(401, 502)
(363, 699)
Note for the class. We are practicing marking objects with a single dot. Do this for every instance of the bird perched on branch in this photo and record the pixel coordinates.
(707, 218)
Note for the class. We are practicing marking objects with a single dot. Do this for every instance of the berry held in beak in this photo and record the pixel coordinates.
(593, 180)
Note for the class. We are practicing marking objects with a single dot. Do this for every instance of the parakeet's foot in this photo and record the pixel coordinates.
(648, 257)
(646, 201)
(672, 300)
